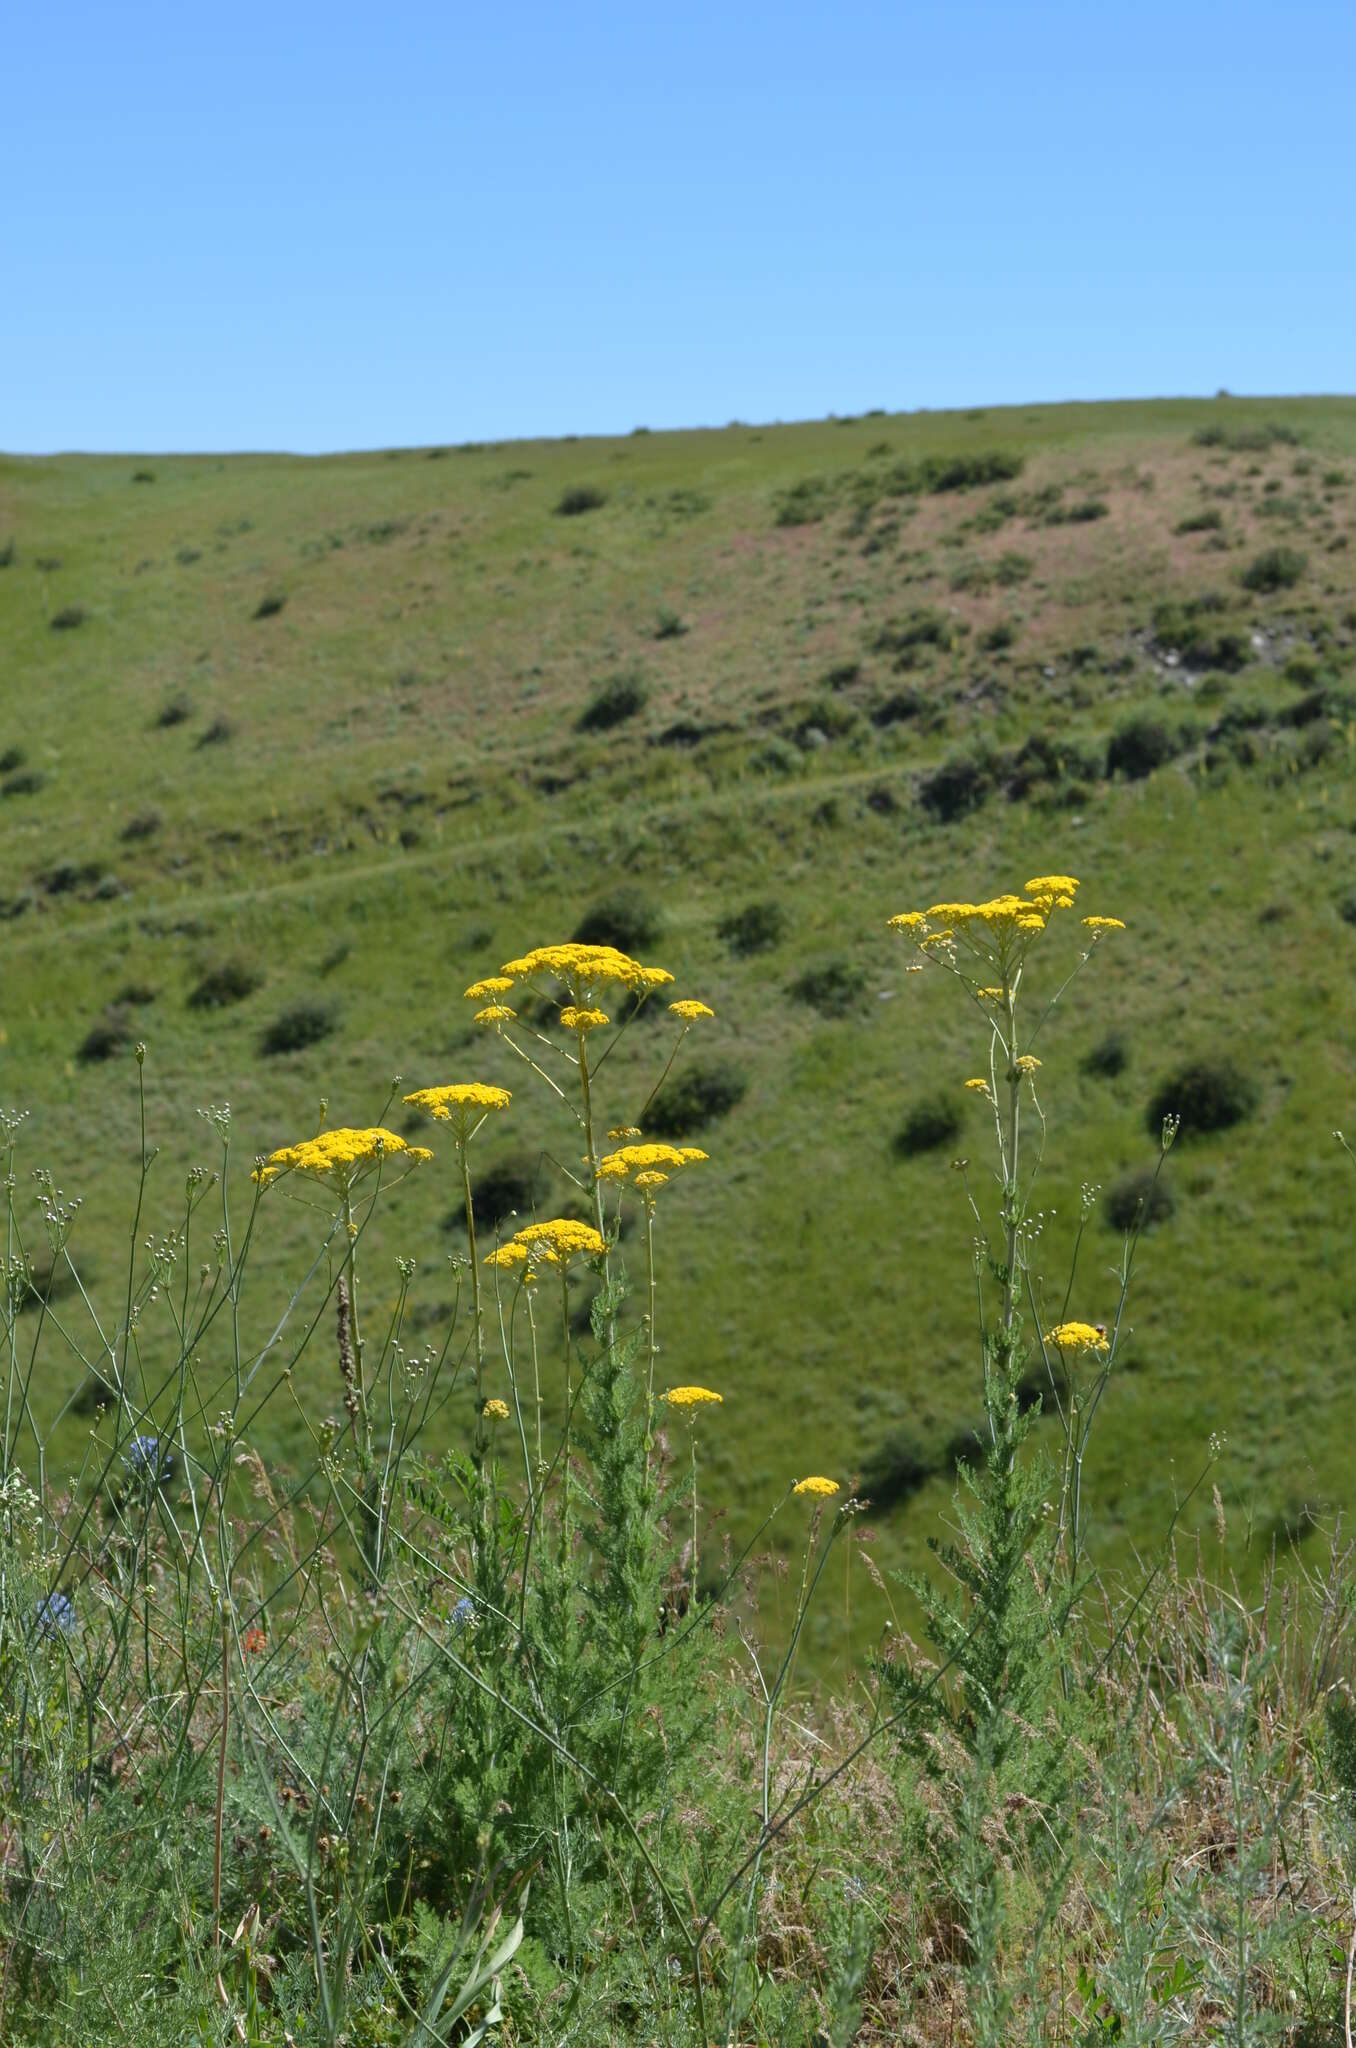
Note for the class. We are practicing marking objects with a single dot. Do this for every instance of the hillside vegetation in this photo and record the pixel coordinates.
(293, 751)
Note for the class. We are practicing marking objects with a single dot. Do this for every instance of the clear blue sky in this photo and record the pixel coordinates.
(315, 227)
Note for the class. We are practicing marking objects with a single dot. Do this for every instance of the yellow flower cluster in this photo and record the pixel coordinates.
(1011, 920)
(825, 1488)
(979, 1085)
(582, 1021)
(492, 985)
(494, 1013)
(633, 1160)
(692, 1397)
(1077, 1337)
(583, 969)
(496, 1409)
(1027, 1063)
(619, 1132)
(463, 1104)
(690, 1011)
(548, 1244)
(339, 1157)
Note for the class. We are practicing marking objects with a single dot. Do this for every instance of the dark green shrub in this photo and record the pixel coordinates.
(669, 626)
(1274, 569)
(303, 1025)
(1143, 1197)
(832, 988)
(842, 675)
(68, 618)
(143, 476)
(1139, 746)
(112, 1034)
(1045, 764)
(1011, 569)
(6, 553)
(896, 1470)
(968, 472)
(628, 920)
(508, 1188)
(217, 733)
(1346, 908)
(578, 499)
(959, 786)
(613, 702)
(1109, 1057)
(141, 825)
(1211, 521)
(270, 604)
(1302, 670)
(896, 708)
(701, 1095)
(26, 783)
(137, 993)
(930, 1124)
(921, 628)
(805, 502)
(754, 929)
(1207, 1095)
(998, 638)
(12, 758)
(1081, 514)
(230, 981)
(176, 710)
(186, 557)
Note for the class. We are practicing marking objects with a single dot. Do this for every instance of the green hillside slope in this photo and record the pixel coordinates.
(346, 734)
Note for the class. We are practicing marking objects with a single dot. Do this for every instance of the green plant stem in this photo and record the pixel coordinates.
(694, 1519)
(650, 1338)
(478, 1362)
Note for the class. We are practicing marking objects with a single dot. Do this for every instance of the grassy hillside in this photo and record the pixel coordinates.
(346, 734)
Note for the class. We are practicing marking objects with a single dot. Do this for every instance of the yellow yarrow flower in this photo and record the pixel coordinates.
(907, 921)
(492, 985)
(575, 1019)
(462, 1104)
(825, 1488)
(690, 1011)
(1104, 924)
(494, 1013)
(1052, 885)
(979, 1085)
(634, 1159)
(1077, 1337)
(339, 1157)
(650, 1179)
(584, 969)
(622, 1131)
(990, 995)
(561, 1239)
(692, 1397)
(496, 1409)
(507, 1256)
(1027, 1063)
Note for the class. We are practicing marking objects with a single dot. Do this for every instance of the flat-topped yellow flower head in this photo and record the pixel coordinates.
(1103, 924)
(632, 1160)
(507, 1257)
(562, 1239)
(585, 970)
(823, 1488)
(462, 1104)
(496, 1410)
(908, 921)
(492, 985)
(340, 1157)
(1052, 885)
(690, 1012)
(693, 1397)
(583, 1021)
(1077, 1337)
(494, 1013)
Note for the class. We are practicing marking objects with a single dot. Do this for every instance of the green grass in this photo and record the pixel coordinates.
(397, 797)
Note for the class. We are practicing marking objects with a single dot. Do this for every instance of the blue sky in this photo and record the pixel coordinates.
(331, 227)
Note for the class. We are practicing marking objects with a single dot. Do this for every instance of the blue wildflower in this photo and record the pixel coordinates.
(464, 1613)
(56, 1615)
(145, 1459)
